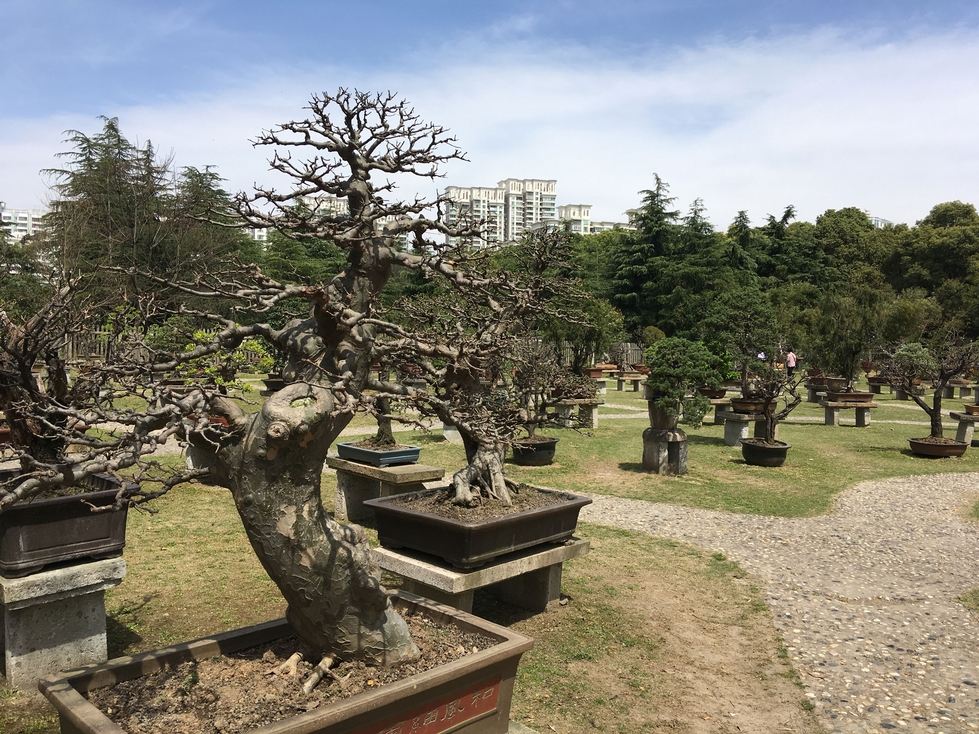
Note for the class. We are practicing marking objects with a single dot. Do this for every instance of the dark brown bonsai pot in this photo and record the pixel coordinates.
(971, 409)
(450, 689)
(470, 544)
(534, 451)
(596, 372)
(758, 452)
(834, 384)
(750, 406)
(937, 448)
(40, 533)
(712, 393)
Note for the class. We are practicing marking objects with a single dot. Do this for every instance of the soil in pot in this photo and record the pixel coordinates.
(440, 503)
(375, 445)
(759, 452)
(239, 692)
(534, 451)
(938, 448)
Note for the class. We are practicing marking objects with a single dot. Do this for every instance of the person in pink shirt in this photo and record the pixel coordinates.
(790, 360)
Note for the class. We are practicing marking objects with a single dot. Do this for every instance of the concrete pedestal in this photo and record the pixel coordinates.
(587, 410)
(736, 427)
(601, 385)
(831, 412)
(965, 391)
(636, 381)
(722, 408)
(55, 620)
(948, 391)
(359, 482)
(664, 451)
(814, 395)
(530, 578)
(966, 427)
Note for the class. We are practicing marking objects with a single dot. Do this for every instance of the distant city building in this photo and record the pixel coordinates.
(506, 211)
(259, 234)
(577, 218)
(880, 222)
(21, 222)
(472, 204)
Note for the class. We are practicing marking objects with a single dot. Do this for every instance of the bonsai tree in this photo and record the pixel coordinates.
(779, 393)
(538, 383)
(846, 328)
(943, 357)
(677, 367)
(271, 460)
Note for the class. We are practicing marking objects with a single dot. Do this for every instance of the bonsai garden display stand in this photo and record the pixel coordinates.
(587, 412)
(601, 384)
(530, 579)
(722, 408)
(358, 482)
(815, 393)
(55, 620)
(966, 428)
(831, 412)
(736, 427)
(664, 451)
(964, 388)
(635, 378)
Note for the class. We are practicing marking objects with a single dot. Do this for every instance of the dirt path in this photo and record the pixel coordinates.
(866, 597)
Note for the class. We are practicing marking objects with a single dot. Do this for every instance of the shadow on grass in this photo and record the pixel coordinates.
(634, 466)
(489, 606)
(705, 440)
(119, 635)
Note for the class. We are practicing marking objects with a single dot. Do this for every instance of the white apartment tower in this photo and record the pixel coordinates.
(20, 222)
(527, 201)
(472, 204)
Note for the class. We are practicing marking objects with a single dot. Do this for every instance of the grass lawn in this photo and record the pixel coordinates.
(643, 615)
(822, 462)
(971, 600)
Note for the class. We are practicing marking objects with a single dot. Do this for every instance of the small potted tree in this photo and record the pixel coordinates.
(381, 449)
(779, 395)
(677, 367)
(945, 356)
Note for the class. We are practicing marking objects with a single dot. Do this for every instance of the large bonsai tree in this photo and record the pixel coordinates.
(271, 460)
(943, 357)
(677, 367)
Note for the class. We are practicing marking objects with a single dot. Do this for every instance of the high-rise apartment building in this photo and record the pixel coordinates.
(506, 211)
(21, 222)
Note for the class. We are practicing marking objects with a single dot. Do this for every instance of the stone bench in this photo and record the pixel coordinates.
(736, 426)
(815, 394)
(966, 428)
(635, 379)
(358, 482)
(587, 412)
(722, 407)
(530, 578)
(964, 390)
(831, 412)
(55, 620)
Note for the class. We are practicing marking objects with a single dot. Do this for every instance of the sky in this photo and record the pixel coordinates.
(746, 105)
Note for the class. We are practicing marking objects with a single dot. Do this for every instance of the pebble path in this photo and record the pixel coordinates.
(865, 598)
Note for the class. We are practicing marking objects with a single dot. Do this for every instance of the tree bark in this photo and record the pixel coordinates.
(323, 569)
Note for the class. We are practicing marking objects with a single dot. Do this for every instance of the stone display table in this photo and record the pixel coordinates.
(664, 451)
(831, 412)
(966, 427)
(587, 411)
(530, 578)
(876, 387)
(722, 408)
(949, 390)
(815, 393)
(359, 482)
(736, 426)
(901, 394)
(55, 620)
(636, 380)
(601, 384)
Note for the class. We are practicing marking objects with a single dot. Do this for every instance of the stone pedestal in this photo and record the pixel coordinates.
(359, 482)
(831, 412)
(530, 578)
(875, 388)
(664, 451)
(451, 434)
(587, 410)
(815, 393)
(948, 391)
(602, 385)
(55, 620)
(722, 407)
(736, 427)
(965, 391)
(966, 428)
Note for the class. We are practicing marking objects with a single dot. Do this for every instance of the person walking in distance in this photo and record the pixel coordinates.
(790, 360)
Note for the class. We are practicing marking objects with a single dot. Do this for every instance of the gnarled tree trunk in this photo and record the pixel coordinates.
(323, 569)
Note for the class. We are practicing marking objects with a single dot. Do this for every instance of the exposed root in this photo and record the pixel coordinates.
(322, 669)
(290, 667)
(482, 479)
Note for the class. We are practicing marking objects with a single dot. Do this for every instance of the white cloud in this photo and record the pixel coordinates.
(819, 120)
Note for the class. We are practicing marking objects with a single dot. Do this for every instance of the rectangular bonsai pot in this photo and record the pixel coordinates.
(43, 532)
(472, 544)
(379, 457)
(471, 695)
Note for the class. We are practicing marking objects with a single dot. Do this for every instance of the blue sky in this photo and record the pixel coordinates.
(746, 104)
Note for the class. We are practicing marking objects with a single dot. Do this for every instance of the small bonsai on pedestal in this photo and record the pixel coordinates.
(677, 367)
(779, 395)
(944, 357)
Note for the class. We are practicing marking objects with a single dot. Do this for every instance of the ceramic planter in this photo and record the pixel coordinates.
(539, 452)
(923, 447)
(44, 532)
(712, 393)
(471, 695)
(971, 409)
(756, 452)
(596, 372)
(379, 457)
(749, 406)
(470, 544)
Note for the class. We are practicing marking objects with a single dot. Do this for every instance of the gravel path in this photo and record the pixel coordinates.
(865, 597)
